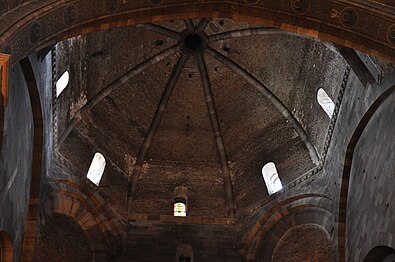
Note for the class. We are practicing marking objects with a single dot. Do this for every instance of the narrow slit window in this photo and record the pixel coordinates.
(325, 102)
(96, 169)
(62, 83)
(270, 176)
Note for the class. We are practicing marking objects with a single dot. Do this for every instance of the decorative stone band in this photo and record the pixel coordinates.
(367, 27)
(335, 114)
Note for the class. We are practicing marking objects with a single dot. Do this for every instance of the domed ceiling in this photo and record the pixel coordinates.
(203, 104)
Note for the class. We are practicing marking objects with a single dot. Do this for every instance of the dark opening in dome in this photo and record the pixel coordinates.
(193, 42)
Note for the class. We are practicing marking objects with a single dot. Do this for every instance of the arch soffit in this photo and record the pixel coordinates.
(333, 21)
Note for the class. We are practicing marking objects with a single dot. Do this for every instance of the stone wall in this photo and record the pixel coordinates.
(358, 104)
(16, 160)
(371, 201)
(209, 242)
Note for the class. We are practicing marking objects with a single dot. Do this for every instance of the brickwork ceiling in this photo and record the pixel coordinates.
(188, 103)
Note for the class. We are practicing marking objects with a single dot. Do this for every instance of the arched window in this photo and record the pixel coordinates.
(62, 83)
(96, 169)
(270, 175)
(180, 201)
(325, 102)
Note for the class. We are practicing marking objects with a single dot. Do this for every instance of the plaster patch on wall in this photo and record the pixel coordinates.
(145, 168)
(130, 162)
(76, 106)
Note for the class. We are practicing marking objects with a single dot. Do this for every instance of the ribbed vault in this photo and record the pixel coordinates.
(193, 120)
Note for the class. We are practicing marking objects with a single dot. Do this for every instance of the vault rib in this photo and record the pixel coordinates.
(107, 90)
(203, 23)
(217, 133)
(153, 127)
(160, 30)
(272, 98)
(189, 24)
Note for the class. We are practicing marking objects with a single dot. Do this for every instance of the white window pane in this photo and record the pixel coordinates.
(96, 169)
(325, 102)
(62, 83)
(180, 209)
(272, 181)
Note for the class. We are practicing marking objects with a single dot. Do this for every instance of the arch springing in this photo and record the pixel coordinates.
(325, 102)
(96, 169)
(270, 176)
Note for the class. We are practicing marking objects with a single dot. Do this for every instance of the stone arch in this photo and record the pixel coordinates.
(345, 179)
(305, 209)
(6, 247)
(90, 211)
(80, 202)
(29, 239)
(341, 23)
(65, 205)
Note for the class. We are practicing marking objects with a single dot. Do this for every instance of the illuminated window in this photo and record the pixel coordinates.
(62, 83)
(180, 201)
(96, 169)
(180, 209)
(270, 175)
(325, 102)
